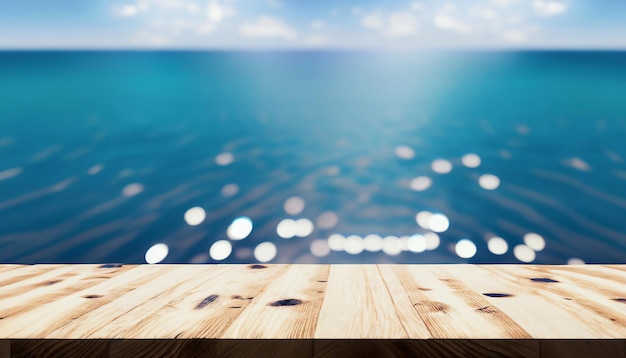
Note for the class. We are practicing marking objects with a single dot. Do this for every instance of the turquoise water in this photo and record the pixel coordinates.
(102, 153)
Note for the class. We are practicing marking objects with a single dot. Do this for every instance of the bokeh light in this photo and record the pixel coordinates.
(471, 160)
(497, 246)
(575, 261)
(421, 183)
(224, 158)
(465, 249)
(230, 190)
(534, 241)
(392, 245)
(220, 250)
(423, 219)
(95, 169)
(156, 253)
(240, 228)
(432, 241)
(294, 205)
(441, 166)
(132, 189)
(265, 251)
(195, 216)
(489, 182)
(404, 152)
(304, 227)
(287, 228)
(524, 253)
(354, 245)
(417, 243)
(336, 242)
(372, 243)
(438, 223)
(319, 248)
(327, 220)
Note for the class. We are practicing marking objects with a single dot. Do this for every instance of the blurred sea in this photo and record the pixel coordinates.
(102, 154)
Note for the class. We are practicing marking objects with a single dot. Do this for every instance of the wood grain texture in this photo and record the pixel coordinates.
(541, 314)
(583, 307)
(357, 304)
(312, 310)
(449, 308)
(287, 308)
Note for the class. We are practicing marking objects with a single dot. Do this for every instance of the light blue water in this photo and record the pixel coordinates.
(77, 128)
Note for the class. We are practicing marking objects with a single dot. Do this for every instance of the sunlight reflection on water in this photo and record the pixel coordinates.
(345, 176)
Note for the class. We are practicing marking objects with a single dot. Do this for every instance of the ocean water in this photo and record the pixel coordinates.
(328, 157)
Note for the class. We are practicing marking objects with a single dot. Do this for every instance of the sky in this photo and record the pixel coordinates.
(325, 24)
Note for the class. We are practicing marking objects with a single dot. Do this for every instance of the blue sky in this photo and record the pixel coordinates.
(260, 24)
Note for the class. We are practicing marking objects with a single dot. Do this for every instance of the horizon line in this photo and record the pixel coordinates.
(311, 49)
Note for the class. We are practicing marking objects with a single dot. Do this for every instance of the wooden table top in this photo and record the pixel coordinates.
(312, 301)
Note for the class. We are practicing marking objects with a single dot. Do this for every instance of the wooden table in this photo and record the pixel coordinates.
(312, 310)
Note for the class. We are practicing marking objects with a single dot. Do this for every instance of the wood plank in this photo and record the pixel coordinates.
(449, 308)
(9, 267)
(49, 286)
(319, 310)
(357, 294)
(42, 319)
(105, 322)
(287, 308)
(537, 314)
(238, 288)
(136, 305)
(26, 272)
(201, 308)
(615, 267)
(401, 293)
(580, 305)
(590, 284)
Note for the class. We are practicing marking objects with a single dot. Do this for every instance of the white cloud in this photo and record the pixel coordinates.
(165, 20)
(519, 34)
(215, 12)
(397, 24)
(318, 24)
(417, 6)
(400, 24)
(485, 13)
(193, 8)
(549, 7)
(373, 21)
(514, 36)
(151, 40)
(266, 26)
(143, 5)
(503, 3)
(125, 10)
(316, 40)
(450, 22)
